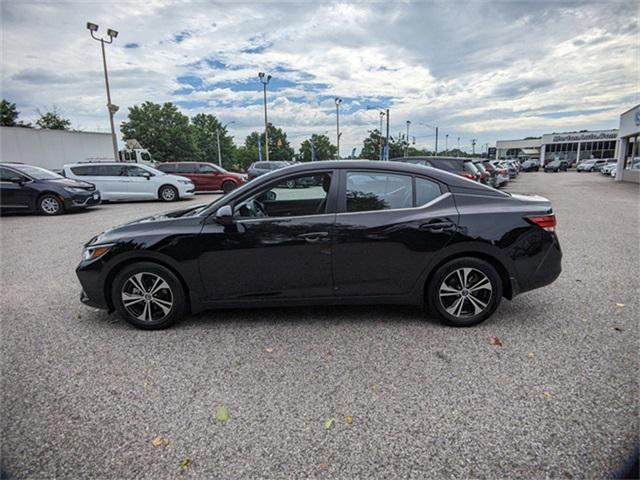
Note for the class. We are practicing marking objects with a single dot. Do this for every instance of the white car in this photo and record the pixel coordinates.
(126, 181)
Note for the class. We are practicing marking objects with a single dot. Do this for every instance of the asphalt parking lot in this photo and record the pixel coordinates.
(85, 395)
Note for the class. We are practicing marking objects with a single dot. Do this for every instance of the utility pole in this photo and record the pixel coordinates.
(436, 141)
(406, 147)
(92, 27)
(473, 146)
(338, 101)
(264, 82)
(458, 144)
(387, 146)
(218, 141)
(446, 144)
(382, 114)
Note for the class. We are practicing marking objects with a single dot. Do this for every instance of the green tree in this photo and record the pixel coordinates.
(8, 114)
(244, 156)
(162, 129)
(203, 131)
(279, 148)
(372, 144)
(324, 149)
(53, 120)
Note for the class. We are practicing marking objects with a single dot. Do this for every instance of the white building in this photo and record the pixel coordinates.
(569, 146)
(628, 168)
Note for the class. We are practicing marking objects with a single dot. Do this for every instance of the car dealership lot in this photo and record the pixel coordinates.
(85, 394)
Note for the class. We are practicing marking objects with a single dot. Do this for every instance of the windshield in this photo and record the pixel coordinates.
(155, 171)
(37, 172)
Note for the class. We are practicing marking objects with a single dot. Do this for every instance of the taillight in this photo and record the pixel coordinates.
(545, 222)
(467, 175)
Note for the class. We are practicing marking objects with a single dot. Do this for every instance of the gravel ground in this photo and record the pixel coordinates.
(84, 395)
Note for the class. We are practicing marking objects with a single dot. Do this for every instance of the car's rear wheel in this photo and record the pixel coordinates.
(167, 193)
(464, 292)
(148, 296)
(228, 187)
(50, 204)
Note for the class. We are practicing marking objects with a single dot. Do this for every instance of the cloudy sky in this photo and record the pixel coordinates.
(483, 70)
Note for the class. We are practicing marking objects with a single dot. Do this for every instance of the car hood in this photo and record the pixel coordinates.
(68, 182)
(145, 224)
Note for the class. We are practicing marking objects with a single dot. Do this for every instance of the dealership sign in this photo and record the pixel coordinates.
(585, 136)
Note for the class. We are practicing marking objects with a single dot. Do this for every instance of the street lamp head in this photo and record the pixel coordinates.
(408, 122)
(338, 100)
(260, 74)
(92, 27)
(382, 114)
(112, 33)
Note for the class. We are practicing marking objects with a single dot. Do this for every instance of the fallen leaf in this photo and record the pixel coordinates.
(323, 466)
(547, 394)
(617, 329)
(165, 442)
(157, 441)
(185, 463)
(493, 340)
(530, 355)
(222, 413)
(349, 419)
(268, 349)
(328, 424)
(620, 305)
(578, 280)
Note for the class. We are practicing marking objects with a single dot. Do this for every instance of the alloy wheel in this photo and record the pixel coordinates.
(50, 205)
(168, 194)
(147, 297)
(465, 292)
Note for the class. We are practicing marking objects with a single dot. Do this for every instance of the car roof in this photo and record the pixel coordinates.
(83, 164)
(392, 166)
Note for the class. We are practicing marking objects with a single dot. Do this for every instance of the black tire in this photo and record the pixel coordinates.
(155, 315)
(50, 205)
(168, 193)
(228, 186)
(480, 272)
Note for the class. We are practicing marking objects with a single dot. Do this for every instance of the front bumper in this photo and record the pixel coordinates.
(82, 200)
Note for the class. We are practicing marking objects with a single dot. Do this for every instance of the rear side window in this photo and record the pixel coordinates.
(426, 191)
(85, 171)
(470, 167)
(448, 164)
(110, 171)
(259, 165)
(369, 191)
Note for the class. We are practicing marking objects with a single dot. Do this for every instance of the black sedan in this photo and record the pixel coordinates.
(369, 233)
(25, 188)
(556, 166)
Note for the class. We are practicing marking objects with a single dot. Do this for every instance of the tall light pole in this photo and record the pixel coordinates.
(473, 146)
(338, 101)
(382, 114)
(264, 79)
(446, 144)
(458, 144)
(436, 130)
(218, 141)
(406, 147)
(92, 27)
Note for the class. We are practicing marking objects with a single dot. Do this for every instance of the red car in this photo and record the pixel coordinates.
(207, 177)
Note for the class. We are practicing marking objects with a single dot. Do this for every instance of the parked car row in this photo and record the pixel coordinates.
(26, 188)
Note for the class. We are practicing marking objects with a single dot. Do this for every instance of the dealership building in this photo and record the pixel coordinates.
(628, 168)
(569, 146)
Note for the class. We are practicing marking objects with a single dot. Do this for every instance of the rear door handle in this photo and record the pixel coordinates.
(313, 237)
(437, 226)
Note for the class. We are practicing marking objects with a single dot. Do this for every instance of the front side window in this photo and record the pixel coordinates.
(203, 168)
(7, 175)
(296, 196)
(134, 171)
(167, 167)
(370, 191)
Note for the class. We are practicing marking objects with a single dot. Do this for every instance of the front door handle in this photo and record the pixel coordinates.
(437, 226)
(313, 237)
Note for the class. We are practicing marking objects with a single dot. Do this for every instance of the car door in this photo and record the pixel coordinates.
(278, 246)
(388, 226)
(140, 183)
(15, 192)
(210, 177)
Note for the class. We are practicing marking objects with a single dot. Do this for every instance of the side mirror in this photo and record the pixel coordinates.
(147, 175)
(224, 215)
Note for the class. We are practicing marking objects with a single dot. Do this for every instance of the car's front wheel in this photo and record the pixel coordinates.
(228, 186)
(50, 204)
(464, 292)
(148, 296)
(167, 193)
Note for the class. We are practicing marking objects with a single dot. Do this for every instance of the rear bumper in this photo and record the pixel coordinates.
(547, 270)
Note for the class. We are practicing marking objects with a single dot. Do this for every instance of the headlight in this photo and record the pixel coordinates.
(186, 182)
(76, 190)
(94, 252)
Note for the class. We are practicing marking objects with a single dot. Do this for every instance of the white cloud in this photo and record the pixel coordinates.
(476, 69)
